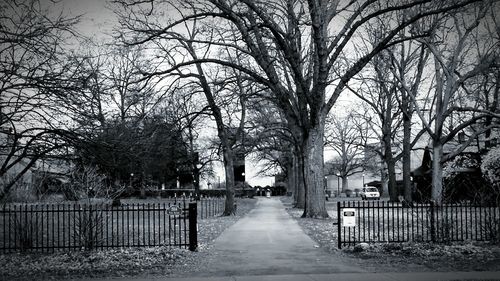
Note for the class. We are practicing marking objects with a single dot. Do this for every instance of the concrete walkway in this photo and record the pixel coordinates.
(267, 241)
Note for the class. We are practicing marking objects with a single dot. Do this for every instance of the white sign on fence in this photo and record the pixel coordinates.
(348, 217)
(174, 210)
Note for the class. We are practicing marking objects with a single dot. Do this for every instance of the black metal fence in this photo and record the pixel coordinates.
(391, 222)
(47, 227)
(211, 207)
(207, 206)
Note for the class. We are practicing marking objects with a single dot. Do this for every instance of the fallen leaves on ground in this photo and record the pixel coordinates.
(124, 262)
(119, 262)
(464, 256)
(379, 257)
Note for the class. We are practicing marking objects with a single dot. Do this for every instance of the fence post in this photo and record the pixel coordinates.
(433, 222)
(193, 227)
(339, 225)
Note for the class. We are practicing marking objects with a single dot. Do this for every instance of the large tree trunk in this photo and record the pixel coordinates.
(290, 177)
(345, 184)
(384, 180)
(222, 134)
(229, 169)
(313, 167)
(407, 160)
(293, 179)
(391, 168)
(393, 187)
(437, 173)
(300, 183)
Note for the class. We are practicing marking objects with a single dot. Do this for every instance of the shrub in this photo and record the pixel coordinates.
(89, 226)
(444, 231)
(25, 230)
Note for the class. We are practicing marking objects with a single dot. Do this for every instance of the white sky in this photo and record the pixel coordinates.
(97, 20)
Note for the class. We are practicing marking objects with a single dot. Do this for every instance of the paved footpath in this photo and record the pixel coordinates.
(267, 241)
(267, 244)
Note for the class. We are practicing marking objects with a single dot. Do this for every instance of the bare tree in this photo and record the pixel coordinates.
(130, 94)
(32, 70)
(455, 61)
(296, 49)
(274, 145)
(192, 115)
(409, 59)
(214, 84)
(87, 101)
(345, 136)
(398, 76)
(487, 83)
(379, 92)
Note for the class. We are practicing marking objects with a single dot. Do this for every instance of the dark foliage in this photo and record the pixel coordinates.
(136, 154)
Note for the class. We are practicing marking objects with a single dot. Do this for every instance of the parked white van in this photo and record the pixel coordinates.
(368, 193)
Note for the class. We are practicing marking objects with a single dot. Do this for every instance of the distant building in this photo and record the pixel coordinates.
(47, 174)
(462, 175)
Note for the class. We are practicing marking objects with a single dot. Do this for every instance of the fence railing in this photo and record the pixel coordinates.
(207, 206)
(391, 222)
(47, 227)
(211, 207)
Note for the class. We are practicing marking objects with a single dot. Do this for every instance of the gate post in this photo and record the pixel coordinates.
(433, 222)
(193, 226)
(339, 225)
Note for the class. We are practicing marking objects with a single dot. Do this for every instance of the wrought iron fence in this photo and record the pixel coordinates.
(207, 206)
(47, 227)
(392, 222)
(211, 207)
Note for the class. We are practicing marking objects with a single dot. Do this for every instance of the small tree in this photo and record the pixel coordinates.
(88, 184)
